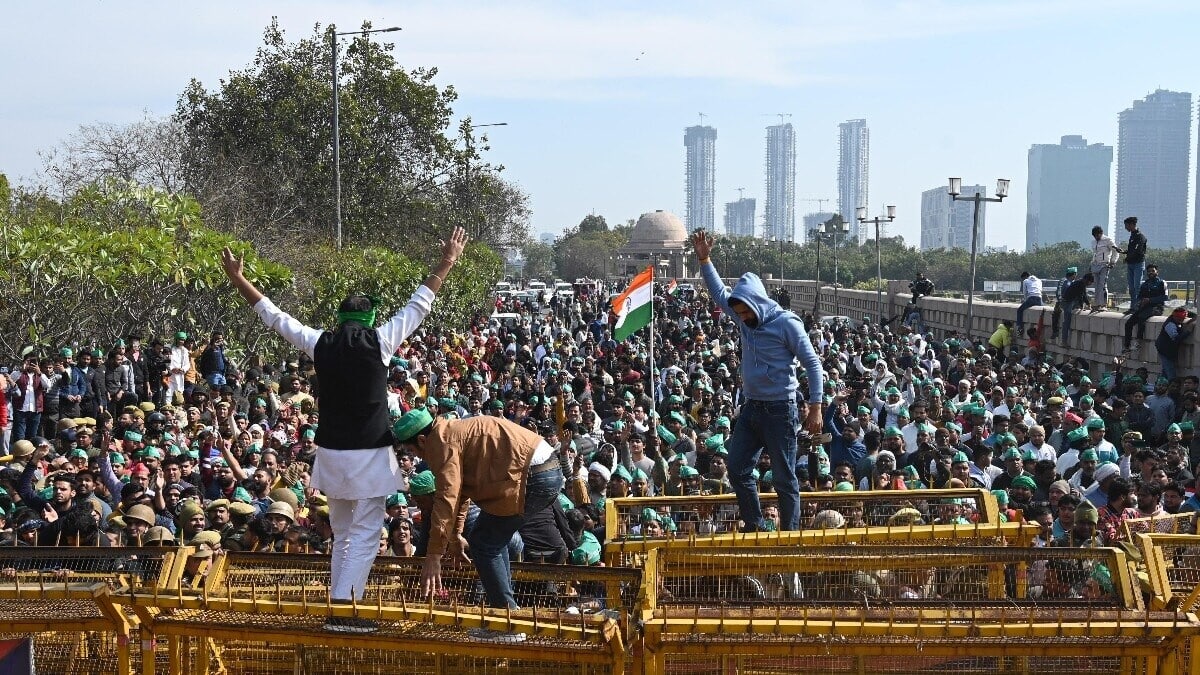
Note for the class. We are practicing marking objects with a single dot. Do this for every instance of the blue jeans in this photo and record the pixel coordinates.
(1031, 301)
(491, 535)
(1168, 366)
(1068, 312)
(1136, 272)
(26, 425)
(770, 426)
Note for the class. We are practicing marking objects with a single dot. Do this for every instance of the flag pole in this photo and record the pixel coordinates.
(650, 347)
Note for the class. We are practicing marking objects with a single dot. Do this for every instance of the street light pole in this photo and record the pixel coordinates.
(816, 233)
(860, 214)
(337, 140)
(955, 190)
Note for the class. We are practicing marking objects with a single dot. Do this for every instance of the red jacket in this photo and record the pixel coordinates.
(39, 395)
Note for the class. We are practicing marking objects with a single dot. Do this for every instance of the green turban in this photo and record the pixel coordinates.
(1024, 482)
(421, 484)
(411, 423)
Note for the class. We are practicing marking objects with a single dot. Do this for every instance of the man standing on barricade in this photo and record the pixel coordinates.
(769, 419)
(355, 466)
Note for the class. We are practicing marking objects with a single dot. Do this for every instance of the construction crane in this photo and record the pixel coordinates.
(820, 203)
(702, 116)
(740, 191)
(779, 115)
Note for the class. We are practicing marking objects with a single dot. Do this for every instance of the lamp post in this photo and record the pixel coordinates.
(835, 226)
(815, 233)
(860, 214)
(955, 190)
(337, 141)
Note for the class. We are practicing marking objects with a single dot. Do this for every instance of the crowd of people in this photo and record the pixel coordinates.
(148, 444)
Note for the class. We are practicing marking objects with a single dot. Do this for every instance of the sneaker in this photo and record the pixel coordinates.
(489, 635)
(350, 624)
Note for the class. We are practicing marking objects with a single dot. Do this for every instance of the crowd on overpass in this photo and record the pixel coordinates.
(152, 442)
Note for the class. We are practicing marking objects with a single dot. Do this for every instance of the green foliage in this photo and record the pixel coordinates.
(539, 260)
(258, 149)
(117, 260)
(392, 278)
(587, 250)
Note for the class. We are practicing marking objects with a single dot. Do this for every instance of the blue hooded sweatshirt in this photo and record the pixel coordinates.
(770, 349)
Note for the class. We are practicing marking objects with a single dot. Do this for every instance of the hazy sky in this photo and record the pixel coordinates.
(597, 95)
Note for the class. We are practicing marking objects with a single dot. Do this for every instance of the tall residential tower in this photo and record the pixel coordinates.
(948, 224)
(739, 217)
(1153, 163)
(780, 216)
(1068, 192)
(854, 150)
(701, 178)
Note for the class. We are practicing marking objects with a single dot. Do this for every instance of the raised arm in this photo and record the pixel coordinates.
(234, 267)
(703, 242)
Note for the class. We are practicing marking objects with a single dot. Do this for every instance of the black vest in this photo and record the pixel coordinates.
(354, 411)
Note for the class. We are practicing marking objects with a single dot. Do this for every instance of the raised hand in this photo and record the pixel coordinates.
(453, 247)
(703, 242)
(232, 264)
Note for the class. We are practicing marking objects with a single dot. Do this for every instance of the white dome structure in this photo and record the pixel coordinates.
(660, 228)
(658, 238)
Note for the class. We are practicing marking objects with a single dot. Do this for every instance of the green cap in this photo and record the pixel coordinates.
(1174, 429)
(1011, 453)
(78, 452)
(844, 486)
(677, 417)
(411, 423)
(1001, 497)
(715, 441)
(960, 456)
(1187, 426)
(1029, 455)
(686, 471)
(1095, 423)
(722, 422)
(421, 484)
(308, 434)
(397, 499)
(1089, 455)
(1086, 513)
(954, 426)
(666, 435)
(864, 410)
(1023, 482)
(181, 335)
(66, 352)
(892, 432)
(1076, 434)
(623, 474)
(133, 436)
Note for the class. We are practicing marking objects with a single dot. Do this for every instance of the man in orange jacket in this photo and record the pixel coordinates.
(509, 471)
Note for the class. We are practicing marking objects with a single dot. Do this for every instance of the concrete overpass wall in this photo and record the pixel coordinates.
(1095, 337)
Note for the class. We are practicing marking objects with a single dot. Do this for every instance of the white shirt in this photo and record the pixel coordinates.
(353, 474)
(1032, 287)
(1104, 251)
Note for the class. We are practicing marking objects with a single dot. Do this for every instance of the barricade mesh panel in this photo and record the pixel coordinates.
(1168, 523)
(1180, 556)
(893, 576)
(551, 593)
(718, 514)
(118, 567)
(883, 664)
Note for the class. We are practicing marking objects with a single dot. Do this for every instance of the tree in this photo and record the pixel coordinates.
(539, 260)
(258, 149)
(118, 259)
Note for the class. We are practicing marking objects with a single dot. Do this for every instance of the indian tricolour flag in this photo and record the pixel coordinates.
(634, 307)
(673, 287)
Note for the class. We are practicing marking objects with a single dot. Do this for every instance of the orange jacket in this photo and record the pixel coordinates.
(485, 459)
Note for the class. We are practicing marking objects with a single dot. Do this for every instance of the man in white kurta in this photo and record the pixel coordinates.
(356, 478)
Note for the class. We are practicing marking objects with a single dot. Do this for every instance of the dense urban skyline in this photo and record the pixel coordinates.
(596, 97)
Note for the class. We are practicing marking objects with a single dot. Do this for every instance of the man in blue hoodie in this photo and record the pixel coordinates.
(772, 341)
